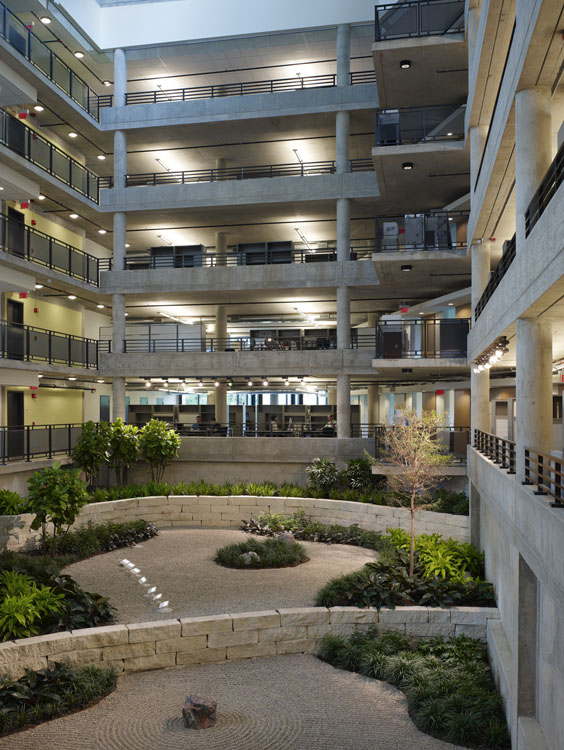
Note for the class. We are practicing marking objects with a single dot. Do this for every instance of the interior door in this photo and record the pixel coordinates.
(15, 419)
(16, 232)
(14, 330)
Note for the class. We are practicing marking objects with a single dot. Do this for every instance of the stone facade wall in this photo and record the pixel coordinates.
(201, 640)
(208, 511)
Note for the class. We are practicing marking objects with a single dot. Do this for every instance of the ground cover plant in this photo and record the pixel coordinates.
(447, 683)
(51, 692)
(272, 553)
(12, 503)
(104, 537)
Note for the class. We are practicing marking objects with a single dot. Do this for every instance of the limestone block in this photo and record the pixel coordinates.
(272, 504)
(154, 631)
(403, 614)
(438, 614)
(241, 638)
(212, 500)
(88, 656)
(349, 615)
(152, 500)
(295, 502)
(38, 646)
(204, 625)
(256, 620)
(190, 643)
(283, 634)
(242, 500)
(129, 650)
(429, 629)
(107, 635)
(246, 511)
(221, 524)
(233, 514)
(183, 500)
(117, 664)
(157, 661)
(318, 631)
(452, 520)
(16, 669)
(250, 650)
(297, 647)
(472, 631)
(473, 615)
(201, 656)
(298, 617)
(395, 627)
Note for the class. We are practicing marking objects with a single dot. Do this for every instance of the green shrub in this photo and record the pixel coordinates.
(92, 449)
(104, 537)
(23, 603)
(272, 553)
(448, 684)
(51, 692)
(158, 445)
(443, 558)
(323, 475)
(12, 503)
(124, 448)
(445, 501)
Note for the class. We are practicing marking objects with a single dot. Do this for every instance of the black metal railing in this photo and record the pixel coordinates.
(291, 429)
(419, 124)
(21, 38)
(422, 339)
(506, 260)
(497, 449)
(453, 441)
(438, 230)
(30, 145)
(31, 344)
(32, 245)
(237, 258)
(546, 191)
(418, 18)
(547, 474)
(37, 441)
(301, 169)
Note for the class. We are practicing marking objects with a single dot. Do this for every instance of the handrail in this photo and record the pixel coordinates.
(30, 145)
(431, 123)
(418, 232)
(505, 262)
(547, 473)
(410, 19)
(294, 430)
(32, 344)
(497, 449)
(301, 169)
(47, 251)
(545, 192)
(445, 338)
(21, 38)
(24, 442)
(458, 439)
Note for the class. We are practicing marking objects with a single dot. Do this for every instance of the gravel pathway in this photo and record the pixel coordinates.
(180, 563)
(279, 703)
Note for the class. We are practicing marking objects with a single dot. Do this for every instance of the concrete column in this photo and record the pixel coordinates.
(533, 149)
(220, 332)
(417, 403)
(343, 317)
(211, 397)
(481, 258)
(342, 147)
(533, 389)
(480, 418)
(343, 54)
(343, 406)
(120, 227)
(118, 399)
(373, 404)
(472, 20)
(343, 229)
(120, 158)
(331, 396)
(221, 404)
(118, 323)
(120, 77)
(449, 407)
(478, 137)
(221, 248)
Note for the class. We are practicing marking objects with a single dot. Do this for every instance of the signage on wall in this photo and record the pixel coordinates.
(439, 393)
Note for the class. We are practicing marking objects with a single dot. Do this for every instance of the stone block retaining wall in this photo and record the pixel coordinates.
(210, 511)
(201, 640)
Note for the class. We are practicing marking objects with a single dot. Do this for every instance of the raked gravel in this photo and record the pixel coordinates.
(179, 562)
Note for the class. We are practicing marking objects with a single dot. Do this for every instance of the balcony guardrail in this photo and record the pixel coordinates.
(505, 262)
(295, 430)
(419, 18)
(419, 124)
(422, 339)
(21, 38)
(37, 441)
(546, 191)
(453, 441)
(301, 169)
(30, 145)
(34, 246)
(547, 474)
(439, 230)
(31, 344)
(499, 450)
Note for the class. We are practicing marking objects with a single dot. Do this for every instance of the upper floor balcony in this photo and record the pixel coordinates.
(444, 338)
(418, 125)
(30, 344)
(419, 18)
(507, 258)
(436, 231)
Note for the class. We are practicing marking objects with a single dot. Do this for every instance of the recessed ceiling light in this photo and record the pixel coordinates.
(73, 216)
(72, 134)
(216, 383)
(41, 197)
(127, 245)
(39, 286)
(38, 108)
(1, 188)
(449, 133)
(407, 165)
(46, 20)
(107, 83)
(451, 304)
(406, 268)
(79, 54)
(249, 383)
(100, 307)
(72, 378)
(126, 314)
(72, 296)
(405, 64)
(99, 381)
(101, 231)
(40, 375)
(101, 157)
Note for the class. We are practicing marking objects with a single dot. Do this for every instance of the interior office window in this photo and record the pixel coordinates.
(143, 400)
(160, 401)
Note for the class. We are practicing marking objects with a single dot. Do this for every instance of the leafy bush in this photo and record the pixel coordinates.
(158, 445)
(92, 449)
(12, 503)
(358, 476)
(55, 496)
(51, 692)
(448, 684)
(105, 537)
(23, 603)
(124, 448)
(444, 558)
(444, 501)
(322, 474)
(272, 553)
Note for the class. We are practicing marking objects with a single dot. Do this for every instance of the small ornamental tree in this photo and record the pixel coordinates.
(410, 445)
(92, 449)
(159, 446)
(56, 496)
(124, 448)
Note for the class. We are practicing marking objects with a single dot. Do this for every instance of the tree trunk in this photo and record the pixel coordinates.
(412, 546)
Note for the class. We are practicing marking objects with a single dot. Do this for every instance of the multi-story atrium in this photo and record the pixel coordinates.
(234, 217)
